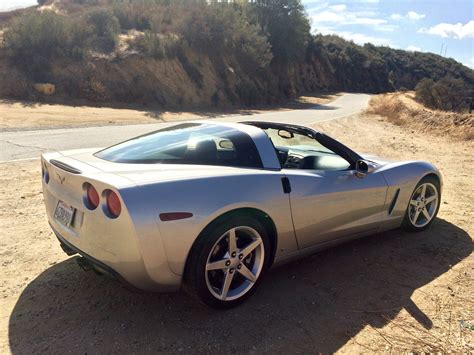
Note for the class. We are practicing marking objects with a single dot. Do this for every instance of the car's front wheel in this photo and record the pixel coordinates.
(423, 205)
(228, 262)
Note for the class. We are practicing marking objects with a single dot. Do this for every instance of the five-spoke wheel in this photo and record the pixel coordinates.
(423, 205)
(235, 262)
(228, 261)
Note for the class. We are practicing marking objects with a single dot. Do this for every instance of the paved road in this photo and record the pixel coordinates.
(30, 144)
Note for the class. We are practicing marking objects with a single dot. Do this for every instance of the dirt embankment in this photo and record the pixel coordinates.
(387, 293)
(402, 109)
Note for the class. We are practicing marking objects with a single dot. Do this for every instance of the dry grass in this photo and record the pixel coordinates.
(401, 109)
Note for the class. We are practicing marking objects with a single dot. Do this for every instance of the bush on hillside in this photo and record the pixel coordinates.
(35, 39)
(219, 29)
(105, 28)
(424, 92)
(447, 94)
(133, 16)
(253, 51)
(156, 45)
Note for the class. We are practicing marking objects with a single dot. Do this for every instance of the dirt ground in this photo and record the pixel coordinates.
(386, 293)
(19, 115)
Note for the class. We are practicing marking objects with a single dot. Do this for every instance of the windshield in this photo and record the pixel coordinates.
(189, 143)
(282, 138)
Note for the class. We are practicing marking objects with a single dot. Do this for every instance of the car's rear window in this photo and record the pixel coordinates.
(189, 143)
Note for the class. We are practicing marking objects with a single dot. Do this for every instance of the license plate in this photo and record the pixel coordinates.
(64, 213)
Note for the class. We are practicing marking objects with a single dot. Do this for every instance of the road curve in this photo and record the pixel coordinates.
(30, 144)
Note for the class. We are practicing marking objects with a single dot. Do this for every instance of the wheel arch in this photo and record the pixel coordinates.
(435, 176)
(260, 215)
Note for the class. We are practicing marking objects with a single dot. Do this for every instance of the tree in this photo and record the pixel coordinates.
(449, 94)
(286, 25)
(219, 29)
(424, 92)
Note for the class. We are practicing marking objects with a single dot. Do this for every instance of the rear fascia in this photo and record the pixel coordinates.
(114, 242)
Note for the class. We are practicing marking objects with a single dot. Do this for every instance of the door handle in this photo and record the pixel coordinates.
(285, 182)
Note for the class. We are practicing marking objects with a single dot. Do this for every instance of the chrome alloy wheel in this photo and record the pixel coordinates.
(234, 263)
(423, 205)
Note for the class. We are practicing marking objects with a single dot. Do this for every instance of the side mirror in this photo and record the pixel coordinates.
(283, 133)
(364, 167)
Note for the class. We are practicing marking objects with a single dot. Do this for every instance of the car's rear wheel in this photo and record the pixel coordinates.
(423, 205)
(228, 262)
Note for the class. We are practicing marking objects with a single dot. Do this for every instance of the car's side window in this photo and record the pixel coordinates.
(189, 143)
(300, 151)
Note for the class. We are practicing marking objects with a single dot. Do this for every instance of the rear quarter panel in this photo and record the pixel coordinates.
(206, 198)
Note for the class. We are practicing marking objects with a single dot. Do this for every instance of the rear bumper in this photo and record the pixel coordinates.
(70, 249)
(135, 278)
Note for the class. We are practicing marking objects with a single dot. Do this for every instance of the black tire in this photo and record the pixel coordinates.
(407, 224)
(195, 272)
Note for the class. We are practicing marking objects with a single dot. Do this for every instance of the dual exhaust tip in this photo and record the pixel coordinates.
(86, 265)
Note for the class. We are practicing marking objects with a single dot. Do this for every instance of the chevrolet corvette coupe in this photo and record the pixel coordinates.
(211, 206)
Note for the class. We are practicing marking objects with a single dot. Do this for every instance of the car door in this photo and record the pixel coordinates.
(327, 205)
(331, 195)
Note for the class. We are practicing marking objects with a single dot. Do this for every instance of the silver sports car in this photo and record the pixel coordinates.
(213, 205)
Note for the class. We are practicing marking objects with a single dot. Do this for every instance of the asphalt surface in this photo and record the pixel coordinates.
(18, 145)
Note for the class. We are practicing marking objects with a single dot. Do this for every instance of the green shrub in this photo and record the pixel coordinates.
(133, 16)
(35, 39)
(155, 45)
(105, 29)
(447, 94)
(14, 85)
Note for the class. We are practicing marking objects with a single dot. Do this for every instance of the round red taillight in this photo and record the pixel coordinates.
(113, 204)
(93, 198)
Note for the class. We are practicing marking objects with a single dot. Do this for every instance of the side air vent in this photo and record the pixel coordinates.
(394, 201)
(65, 167)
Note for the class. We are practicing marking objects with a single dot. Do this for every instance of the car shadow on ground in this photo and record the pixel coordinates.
(315, 304)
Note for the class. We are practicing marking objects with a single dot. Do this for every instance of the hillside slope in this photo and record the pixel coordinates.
(401, 109)
(187, 54)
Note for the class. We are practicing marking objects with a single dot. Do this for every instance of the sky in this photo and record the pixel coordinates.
(439, 26)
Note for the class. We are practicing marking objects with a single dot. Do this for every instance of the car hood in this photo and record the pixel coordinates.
(376, 159)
